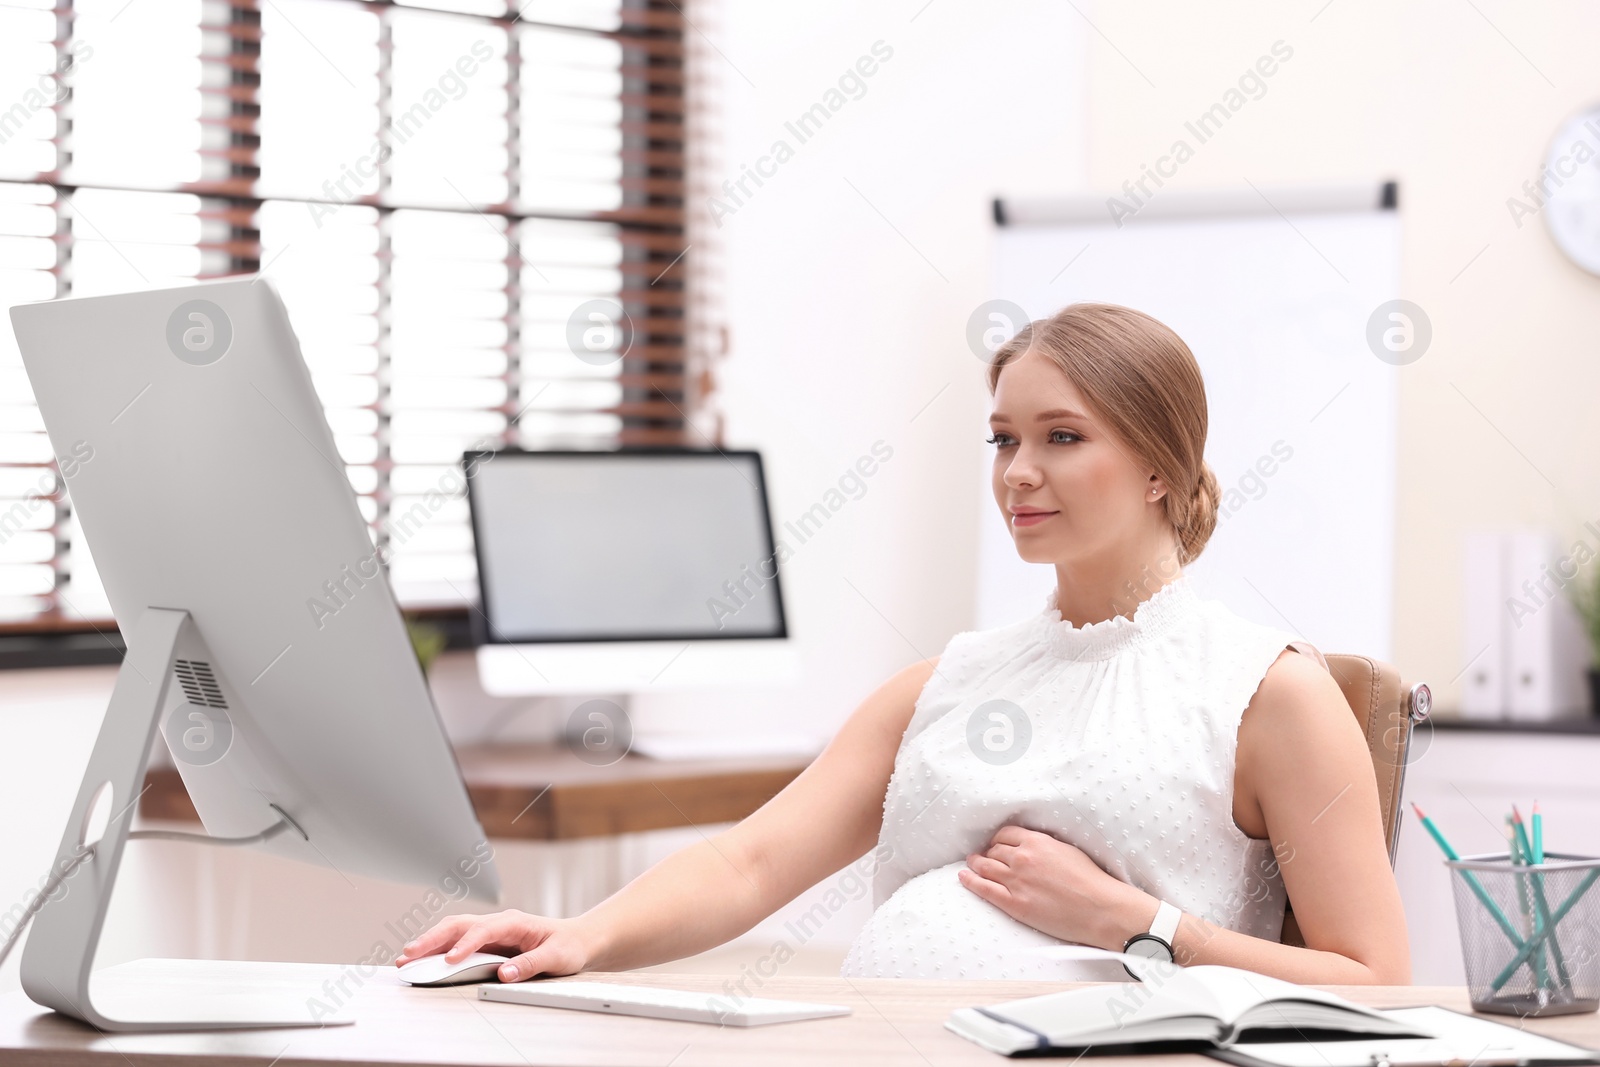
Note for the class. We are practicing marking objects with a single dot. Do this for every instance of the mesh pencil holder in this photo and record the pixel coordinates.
(1530, 934)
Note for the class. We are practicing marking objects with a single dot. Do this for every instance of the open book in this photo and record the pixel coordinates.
(1208, 1003)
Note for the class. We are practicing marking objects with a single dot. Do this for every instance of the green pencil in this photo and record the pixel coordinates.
(1519, 858)
(1471, 879)
(1538, 834)
(1534, 852)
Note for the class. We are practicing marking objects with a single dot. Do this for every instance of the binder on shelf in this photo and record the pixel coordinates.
(1484, 690)
(1547, 649)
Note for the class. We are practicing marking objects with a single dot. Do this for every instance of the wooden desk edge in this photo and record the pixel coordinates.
(565, 811)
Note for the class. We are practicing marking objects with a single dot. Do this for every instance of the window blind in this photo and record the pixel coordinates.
(472, 210)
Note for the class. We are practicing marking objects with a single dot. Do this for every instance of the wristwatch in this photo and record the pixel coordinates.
(1157, 944)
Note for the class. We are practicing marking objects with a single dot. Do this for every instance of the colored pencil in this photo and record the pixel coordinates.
(1534, 852)
(1535, 925)
(1506, 926)
(1538, 834)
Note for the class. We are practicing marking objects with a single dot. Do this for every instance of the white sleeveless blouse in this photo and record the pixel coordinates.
(1118, 737)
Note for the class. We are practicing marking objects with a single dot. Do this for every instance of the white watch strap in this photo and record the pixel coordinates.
(1165, 924)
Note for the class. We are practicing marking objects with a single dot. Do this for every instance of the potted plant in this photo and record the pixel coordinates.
(1586, 598)
(428, 640)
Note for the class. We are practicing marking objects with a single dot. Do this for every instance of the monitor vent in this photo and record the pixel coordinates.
(199, 684)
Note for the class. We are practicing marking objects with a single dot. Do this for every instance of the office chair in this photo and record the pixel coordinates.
(1387, 711)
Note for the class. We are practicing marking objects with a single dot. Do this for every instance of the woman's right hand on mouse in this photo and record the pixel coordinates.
(536, 945)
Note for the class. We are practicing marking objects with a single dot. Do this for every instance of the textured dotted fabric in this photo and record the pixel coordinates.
(1127, 752)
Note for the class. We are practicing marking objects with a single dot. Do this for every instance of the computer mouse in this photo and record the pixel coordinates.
(435, 970)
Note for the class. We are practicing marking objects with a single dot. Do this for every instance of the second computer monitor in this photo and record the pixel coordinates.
(627, 546)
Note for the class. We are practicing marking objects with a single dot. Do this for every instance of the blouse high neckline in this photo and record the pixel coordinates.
(1101, 640)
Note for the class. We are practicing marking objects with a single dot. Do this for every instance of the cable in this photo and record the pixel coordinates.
(284, 823)
(38, 902)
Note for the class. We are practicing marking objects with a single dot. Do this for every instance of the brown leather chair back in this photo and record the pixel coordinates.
(1386, 709)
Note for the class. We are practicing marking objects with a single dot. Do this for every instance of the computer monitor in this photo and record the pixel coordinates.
(264, 641)
(626, 570)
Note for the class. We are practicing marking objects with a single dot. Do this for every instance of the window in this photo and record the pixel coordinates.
(443, 193)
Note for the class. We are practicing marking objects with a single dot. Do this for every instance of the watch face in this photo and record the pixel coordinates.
(1572, 212)
(1150, 947)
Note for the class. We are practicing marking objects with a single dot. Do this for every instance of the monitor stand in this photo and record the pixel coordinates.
(59, 956)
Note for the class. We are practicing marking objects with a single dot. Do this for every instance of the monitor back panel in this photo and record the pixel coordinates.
(205, 478)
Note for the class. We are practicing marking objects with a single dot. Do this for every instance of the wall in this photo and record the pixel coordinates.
(1458, 102)
(849, 277)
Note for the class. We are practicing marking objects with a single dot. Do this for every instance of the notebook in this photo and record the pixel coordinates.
(1208, 1005)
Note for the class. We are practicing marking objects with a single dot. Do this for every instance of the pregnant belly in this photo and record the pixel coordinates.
(934, 927)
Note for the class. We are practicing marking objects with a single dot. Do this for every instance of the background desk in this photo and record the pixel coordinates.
(894, 1023)
(543, 792)
(591, 831)
(566, 835)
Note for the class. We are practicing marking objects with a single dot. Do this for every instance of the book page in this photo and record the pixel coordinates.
(1237, 991)
(1225, 993)
(1117, 1007)
(1459, 1038)
(1216, 996)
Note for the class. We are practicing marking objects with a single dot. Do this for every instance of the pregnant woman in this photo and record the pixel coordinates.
(1133, 762)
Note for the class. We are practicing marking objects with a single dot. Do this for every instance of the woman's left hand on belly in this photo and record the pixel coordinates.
(1056, 888)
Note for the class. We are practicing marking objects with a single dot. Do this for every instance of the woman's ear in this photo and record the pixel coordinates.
(1155, 488)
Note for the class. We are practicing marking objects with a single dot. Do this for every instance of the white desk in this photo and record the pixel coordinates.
(894, 1023)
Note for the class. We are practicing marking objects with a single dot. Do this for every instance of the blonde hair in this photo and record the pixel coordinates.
(1144, 384)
